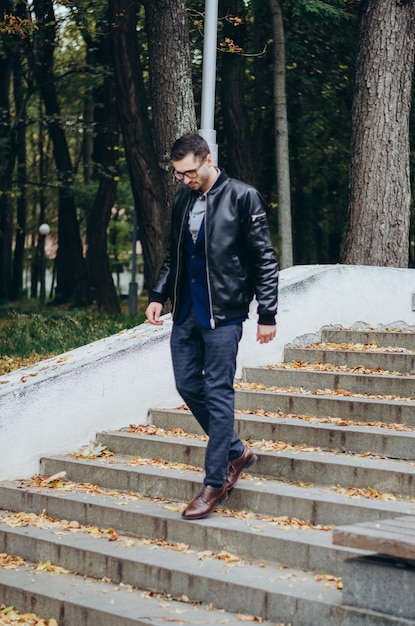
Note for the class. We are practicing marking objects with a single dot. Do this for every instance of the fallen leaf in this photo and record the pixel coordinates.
(53, 478)
(10, 561)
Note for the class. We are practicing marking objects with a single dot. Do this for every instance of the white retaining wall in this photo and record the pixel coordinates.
(58, 405)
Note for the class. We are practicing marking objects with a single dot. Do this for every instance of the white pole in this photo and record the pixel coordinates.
(207, 122)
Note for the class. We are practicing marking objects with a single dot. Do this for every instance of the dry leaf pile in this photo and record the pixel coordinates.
(368, 492)
(162, 464)
(327, 579)
(9, 616)
(321, 392)
(318, 366)
(22, 519)
(151, 429)
(10, 561)
(57, 483)
(335, 421)
(258, 522)
(356, 347)
(255, 618)
(10, 364)
(356, 492)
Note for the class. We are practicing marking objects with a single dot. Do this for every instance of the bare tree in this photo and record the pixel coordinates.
(379, 204)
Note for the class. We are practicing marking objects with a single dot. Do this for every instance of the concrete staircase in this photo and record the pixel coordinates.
(98, 537)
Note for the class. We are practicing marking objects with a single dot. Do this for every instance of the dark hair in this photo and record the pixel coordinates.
(190, 142)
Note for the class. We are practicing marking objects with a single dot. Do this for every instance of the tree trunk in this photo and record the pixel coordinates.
(379, 202)
(70, 266)
(105, 157)
(7, 160)
(20, 236)
(171, 84)
(263, 144)
(281, 140)
(143, 168)
(39, 217)
(97, 255)
(88, 139)
(236, 126)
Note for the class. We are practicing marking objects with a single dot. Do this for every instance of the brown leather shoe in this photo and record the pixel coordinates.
(237, 466)
(205, 502)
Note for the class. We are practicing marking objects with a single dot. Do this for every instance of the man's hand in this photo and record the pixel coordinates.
(265, 332)
(153, 313)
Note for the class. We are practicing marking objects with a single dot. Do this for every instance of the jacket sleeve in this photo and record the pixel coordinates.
(161, 288)
(261, 254)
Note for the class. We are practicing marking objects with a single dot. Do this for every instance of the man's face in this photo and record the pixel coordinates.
(196, 172)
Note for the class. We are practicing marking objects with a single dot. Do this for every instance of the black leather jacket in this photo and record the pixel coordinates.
(240, 259)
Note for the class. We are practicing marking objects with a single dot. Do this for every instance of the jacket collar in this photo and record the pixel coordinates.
(221, 179)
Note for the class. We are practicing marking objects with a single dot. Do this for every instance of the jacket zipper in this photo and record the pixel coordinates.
(211, 320)
(178, 256)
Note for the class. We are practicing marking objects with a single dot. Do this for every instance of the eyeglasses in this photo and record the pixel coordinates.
(190, 174)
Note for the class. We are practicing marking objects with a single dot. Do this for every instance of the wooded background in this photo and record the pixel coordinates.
(313, 107)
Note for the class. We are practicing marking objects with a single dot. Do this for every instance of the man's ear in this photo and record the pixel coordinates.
(209, 159)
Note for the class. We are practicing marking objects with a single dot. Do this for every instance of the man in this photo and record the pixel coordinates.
(220, 255)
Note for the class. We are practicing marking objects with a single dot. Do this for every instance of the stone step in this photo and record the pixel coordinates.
(290, 541)
(388, 361)
(312, 379)
(384, 338)
(73, 600)
(326, 435)
(318, 467)
(318, 504)
(266, 553)
(266, 590)
(255, 591)
(355, 408)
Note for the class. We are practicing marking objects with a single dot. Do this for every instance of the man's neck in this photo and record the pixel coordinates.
(212, 180)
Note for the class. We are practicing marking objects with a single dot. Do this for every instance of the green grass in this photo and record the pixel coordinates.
(51, 331)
